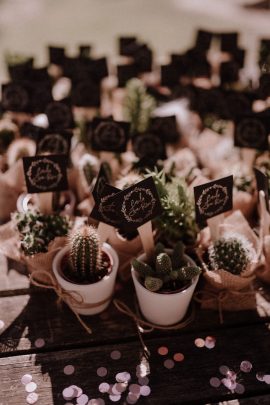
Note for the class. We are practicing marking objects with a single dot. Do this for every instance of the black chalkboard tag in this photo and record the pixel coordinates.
(212, 199)
(45, 173)
(125, 73)
(126, 45)
(229, 41)
(262, 185)
(203, 40)
(251, 131)
(16, 96)
(149, 145)
(56, 55)
(102, 180)
(166, 127)
(55, 143)
(109, 135)
(59, 115)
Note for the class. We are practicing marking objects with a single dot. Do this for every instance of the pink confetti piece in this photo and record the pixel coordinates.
(32, 398)
(210, 342)
(123, 377)
(69, 369)
(104, 387)
(178, 357)
(246, 366)
(169, 364)
(115, 355)
(266, 378)
(240, 389)
(215, 382)
(115, 398)
(39, 343)
(223, 370)
(199, 342)
(260, 376)
(135, 389)
(163, 350)
(82, 400)
(143, 380)
(31, 387)
(145, 390)
(68, 393)
(102, 371)
(26, 379)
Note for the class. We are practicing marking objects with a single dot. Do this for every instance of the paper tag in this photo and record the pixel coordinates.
(54, 143)
(262, 184)
(150, 146)
(105, 209)
(59, 115)
(101, 181)
(213, 198)
(252, 132)
(109, 135)
(45, 173)
(166, 127)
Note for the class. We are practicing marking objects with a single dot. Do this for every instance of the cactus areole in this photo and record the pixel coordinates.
(87, 262)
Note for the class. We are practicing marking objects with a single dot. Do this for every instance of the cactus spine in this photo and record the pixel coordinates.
(86, 253)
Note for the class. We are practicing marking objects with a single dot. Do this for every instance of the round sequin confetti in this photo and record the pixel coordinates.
(26, 379)
(135, 389)
(228, 383)
(132, 398)
(210, 342)
(68, 393)
(123, 377)
(143, 380)
(118, 388)
(115, 355)
(77, 391)
(69, 369)
(102, 371)
(169, 363)
(104, 387)
(260, 376)
(223, 370)
(31, 387)
(145, 390)
(2, 324)
(39, 343)
(240, 389)
(32, 398)
(266, 378)
(178, 357)
(115, 398)
(163, 350)
(98, 401)
(82, 400)
(215, 382)
(246, 366)
(199, 342)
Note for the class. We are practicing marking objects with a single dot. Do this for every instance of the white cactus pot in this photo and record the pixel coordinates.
(96, 296)
(161, 308)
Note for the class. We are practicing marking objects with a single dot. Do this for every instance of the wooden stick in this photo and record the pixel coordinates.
(147, 238)
(248, 156)
(104, 231)
(264, 214)
(45, 202)
(214, 224)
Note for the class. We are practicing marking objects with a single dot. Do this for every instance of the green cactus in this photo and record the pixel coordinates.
(38, 230)
(168, 273)
(138, 106)
(86, 255)
(231, 253)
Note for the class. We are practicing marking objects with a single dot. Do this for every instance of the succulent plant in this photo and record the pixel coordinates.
(38, 230)
(168, 273)
(232, 253)
(177, 221)
(86, 256)
(138, 106)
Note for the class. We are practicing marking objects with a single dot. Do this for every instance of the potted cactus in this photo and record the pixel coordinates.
(164, 287)
(87, 270)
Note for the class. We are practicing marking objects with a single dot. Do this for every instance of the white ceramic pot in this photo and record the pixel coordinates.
(97, 296)
(161, 308)
(27, 201)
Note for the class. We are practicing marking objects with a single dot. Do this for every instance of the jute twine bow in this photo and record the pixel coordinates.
(71, 298)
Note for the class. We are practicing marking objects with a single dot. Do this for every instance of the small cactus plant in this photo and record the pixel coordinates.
(168, 273)
(88, 263)
(232, 253)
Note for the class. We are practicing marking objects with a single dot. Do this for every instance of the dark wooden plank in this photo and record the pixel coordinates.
(187, 383)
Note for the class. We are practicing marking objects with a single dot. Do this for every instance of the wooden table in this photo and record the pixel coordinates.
(30, 313)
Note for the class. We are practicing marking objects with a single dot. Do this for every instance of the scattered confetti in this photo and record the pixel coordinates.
(26, 379)
(210, 342)
(102, 371)
(260, 376)
(169, 363)
(215, 382)
(266, 378)
(135, 389)
(30, 387)
(32, 398)
(132, 398)
(199, 342)
(82, 400)
(98, 401)
(223, 370)
(68, 393)
(39, 343)
(178, 357)
(119, 388)
(123, 377)
(145, 390)
(2, 324)
(104, 387)
(115, 398)
(163, 350)
(69, 369)
(246, 366)
(77, 390)
(115, 355)
(229, 383)
(143, 380)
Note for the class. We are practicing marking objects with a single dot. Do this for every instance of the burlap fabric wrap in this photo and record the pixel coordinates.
(11, 185)
(10, 247)
(227, 291)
